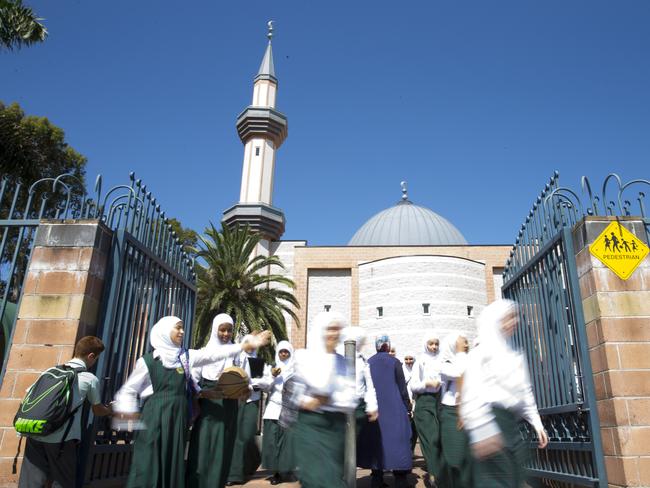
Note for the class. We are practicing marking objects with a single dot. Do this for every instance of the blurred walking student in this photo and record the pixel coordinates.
(367, 409)
(407, 369)
(163, 380)
(278, 450)
(246, 456)
(215, 429)
(496, 395)
(386, 444)
(52, 458)
(327, 394)
(456, 457)
(425, 383)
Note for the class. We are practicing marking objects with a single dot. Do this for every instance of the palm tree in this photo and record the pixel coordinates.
(19, 25)
(232, 280)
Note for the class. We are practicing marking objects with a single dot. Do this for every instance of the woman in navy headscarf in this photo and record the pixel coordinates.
(385, 444)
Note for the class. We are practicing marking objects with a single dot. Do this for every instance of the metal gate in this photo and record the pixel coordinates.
(541, 276)
(150, 276)
(22, 207)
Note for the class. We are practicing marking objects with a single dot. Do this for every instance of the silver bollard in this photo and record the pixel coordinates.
(350, 467)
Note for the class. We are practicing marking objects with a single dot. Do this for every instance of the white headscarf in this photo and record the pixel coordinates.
(283, 346)
(287, 364)
(430, 362)
(431, 335)
(490, 322)
(213, 371)
(499, 361)
(161, 341)
(319, 327)
(405, 369)
(448, 346)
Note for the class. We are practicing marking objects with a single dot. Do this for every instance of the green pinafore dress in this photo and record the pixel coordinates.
(213, 438)
(158, 450)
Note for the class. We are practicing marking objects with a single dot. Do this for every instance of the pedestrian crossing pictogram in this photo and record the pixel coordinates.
(619, 250)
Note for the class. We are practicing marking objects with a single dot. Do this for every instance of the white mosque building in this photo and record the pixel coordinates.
(406, 271)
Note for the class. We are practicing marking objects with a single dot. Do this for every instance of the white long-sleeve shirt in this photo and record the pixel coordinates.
(138, 386)
(482, 389)
(365, 386)
(274, 405)
(450, 372)
(326, 375)
(427, 368)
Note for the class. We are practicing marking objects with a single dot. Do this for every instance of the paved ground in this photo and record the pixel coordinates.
(363, 477)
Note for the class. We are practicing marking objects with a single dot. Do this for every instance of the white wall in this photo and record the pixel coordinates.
(285, 250)
(402, 284)
(328, 287)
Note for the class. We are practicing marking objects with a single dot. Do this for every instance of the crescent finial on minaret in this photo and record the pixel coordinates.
(270, 31)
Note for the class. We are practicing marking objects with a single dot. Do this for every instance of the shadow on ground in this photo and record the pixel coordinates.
(363, 476)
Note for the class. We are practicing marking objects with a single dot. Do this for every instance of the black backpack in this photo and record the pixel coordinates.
(48, 403)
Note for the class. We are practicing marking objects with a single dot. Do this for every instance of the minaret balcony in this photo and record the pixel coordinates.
(259, 217)
(262, 122)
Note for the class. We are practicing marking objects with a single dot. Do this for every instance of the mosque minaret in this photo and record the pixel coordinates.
(262, 129)
(406, 272)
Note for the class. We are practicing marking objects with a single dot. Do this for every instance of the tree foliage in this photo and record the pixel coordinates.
(19, 25)
(233, 280)
(32, 147)
(189, 237)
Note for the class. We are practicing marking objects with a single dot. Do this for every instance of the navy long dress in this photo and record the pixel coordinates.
(386, 444)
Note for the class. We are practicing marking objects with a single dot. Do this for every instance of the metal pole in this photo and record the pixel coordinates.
(350, 467)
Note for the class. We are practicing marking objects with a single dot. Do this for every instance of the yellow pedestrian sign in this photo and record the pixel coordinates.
(619, 250)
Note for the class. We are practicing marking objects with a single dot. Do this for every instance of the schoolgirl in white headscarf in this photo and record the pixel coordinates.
(328, 393)
(213, 438)
(277, 450)
(453, 439)
(425, 382)
(164, 379)
(246, 456)
(409, 370)
(496, 393)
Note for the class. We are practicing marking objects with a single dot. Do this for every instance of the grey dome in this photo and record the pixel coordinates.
(407, 224)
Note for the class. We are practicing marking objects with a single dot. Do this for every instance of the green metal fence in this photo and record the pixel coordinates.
(541, 276)
(150, 276)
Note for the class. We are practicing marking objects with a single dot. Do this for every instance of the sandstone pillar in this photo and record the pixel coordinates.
(60, 304)
(617, 319)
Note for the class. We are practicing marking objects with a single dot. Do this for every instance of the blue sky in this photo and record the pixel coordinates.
(474, 103)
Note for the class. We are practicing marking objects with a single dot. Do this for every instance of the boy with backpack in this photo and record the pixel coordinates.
(50, 417)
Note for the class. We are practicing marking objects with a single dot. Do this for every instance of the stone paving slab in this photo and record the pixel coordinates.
(363, 477)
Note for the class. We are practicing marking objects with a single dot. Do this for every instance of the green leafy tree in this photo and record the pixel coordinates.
(19, 25)
(32, 147)
(189, 237)
(234, 281)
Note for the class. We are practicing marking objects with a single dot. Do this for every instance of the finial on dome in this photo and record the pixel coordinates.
(405, 195)
(269, 34)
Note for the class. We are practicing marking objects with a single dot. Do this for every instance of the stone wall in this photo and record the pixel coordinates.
(617, 318)
(349, 257)
(285, 250)
(328, 288)
(60, 304)
(401, 285)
